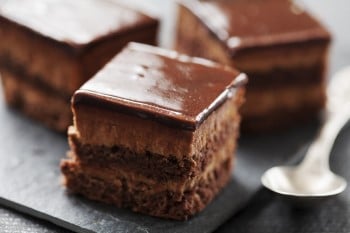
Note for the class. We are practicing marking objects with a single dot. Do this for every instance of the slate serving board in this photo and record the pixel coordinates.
(29, 180)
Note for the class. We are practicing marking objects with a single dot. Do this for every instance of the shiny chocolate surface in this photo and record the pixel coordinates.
(162, 84)
(250, 23)
(76, 22)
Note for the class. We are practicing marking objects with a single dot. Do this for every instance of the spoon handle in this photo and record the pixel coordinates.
(317, 156)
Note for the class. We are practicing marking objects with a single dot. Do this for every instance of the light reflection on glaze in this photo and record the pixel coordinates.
(72, 21)
(164, 83)
(138, 83)
(217, 21)
(243, 23)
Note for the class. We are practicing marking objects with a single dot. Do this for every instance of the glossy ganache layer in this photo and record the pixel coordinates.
(166, 86)
(241, 24)
(75, 23)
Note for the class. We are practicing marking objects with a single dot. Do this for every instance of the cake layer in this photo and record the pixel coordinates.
(293, 56)
(280, 120)
(298, 76)
(19, 71)
(219, 155)
(155, 199)
(282, 108)
(289, 99)
(45, 59)
(36, 102)
(149, 136)
(58, 65)
(156, 166)
(134, 189)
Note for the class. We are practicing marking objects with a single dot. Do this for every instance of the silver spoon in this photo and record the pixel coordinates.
(313, 177)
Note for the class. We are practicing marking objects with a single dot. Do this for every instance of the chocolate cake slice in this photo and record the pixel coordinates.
(49, 48)
(155, 131)
(281, 47)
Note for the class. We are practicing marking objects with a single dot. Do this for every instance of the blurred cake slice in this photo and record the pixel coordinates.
(281, 47)
(49, 48)
(155, 131)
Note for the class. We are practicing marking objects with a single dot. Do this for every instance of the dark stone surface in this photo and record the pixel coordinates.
(29, 174)
(14, 222)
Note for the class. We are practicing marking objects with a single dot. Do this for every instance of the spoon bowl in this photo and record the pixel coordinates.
(313, 177)
(293, 181)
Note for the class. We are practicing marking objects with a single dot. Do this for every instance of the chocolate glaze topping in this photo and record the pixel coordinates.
(252, 23)
(161, 84)
(75, 22)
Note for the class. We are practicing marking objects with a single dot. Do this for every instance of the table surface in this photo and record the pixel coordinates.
(267, 212)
